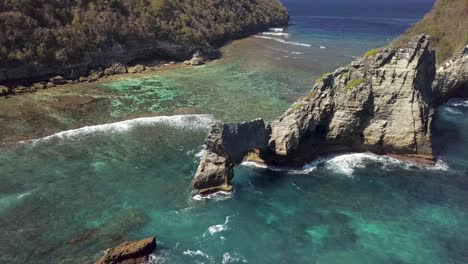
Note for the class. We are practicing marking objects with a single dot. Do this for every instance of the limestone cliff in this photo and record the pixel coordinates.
(383, 102)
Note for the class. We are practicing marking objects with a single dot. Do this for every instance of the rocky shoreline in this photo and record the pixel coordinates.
(115, 68)
(382, 103)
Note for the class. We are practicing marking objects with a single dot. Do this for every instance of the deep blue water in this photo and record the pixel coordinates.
(65, 198)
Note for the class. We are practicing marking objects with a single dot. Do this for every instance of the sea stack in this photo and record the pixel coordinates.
(384, 102)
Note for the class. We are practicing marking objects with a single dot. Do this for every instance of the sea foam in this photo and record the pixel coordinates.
(285, 41)
(192, 122)
(218, 228)
(347, 164)
(280, 34)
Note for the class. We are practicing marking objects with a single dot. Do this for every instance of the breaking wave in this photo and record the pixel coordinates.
(192, 122)
(348, 163)
(285, 41)
(218, 228)
(217, 196)
(280, 34)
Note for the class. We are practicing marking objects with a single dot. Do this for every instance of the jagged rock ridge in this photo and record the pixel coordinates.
(383, 103)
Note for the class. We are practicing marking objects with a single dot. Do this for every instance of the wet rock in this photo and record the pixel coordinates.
(131, 252)
(23, 89)
(227, 145)
(58, 80)
(136, 69)
(4, 90)
(50, 85)
(83, 79)
(39, 85)
(115, 68)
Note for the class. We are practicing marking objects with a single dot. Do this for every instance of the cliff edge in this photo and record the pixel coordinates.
(383, 102)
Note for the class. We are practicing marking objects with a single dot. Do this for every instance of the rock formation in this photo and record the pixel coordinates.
(383, 102)
(135, 252)
(452, 78)
(226, 145)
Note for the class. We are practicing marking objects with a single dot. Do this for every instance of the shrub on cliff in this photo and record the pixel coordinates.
(447, 24)
(67, 31)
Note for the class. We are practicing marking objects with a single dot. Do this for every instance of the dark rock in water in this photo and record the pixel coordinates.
(58, 80)
(383, 102)
(4, 90)
(227, 145)
(132, 252)
(115, 68)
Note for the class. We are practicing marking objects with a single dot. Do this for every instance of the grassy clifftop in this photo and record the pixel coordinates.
(447, 24)
(66, 31)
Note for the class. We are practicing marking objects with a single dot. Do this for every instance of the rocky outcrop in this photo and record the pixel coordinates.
(226, 146)
(383, 103)
(196, 60)
(134, 252)
(452, 78)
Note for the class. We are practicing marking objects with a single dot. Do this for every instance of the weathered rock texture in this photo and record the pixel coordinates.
(383, 103)
(226, 145)
(452, 78)
(135, 252)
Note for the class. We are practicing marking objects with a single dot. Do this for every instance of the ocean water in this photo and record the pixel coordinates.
(67, 197)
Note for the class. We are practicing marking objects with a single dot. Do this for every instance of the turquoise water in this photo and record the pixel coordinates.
(66, 198)
(69, 196)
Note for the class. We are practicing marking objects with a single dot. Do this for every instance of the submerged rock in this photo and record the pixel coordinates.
(130, 252)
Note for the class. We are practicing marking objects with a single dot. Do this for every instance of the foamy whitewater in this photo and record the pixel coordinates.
(178, 121)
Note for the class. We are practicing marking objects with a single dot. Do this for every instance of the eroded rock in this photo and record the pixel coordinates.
(115, 68)
(130, 252)
(4, 90)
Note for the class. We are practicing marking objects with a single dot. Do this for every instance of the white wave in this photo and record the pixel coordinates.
(458, 102)
(453, 111)
(178, 121)
(297, 53)
(196, 253)
(277, 29)
(285, 41)
(218, 228)
(217, 196)
(279, 34)
(156, 259)
(347, 164)
(323, 47)
(227, 258)
(21, 196)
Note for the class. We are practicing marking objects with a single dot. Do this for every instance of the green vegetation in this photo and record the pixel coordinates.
(447, 24)
(345, 75)
(68, 31)
(371, 53)
(323, 77)
(298, 106)
(353, 84)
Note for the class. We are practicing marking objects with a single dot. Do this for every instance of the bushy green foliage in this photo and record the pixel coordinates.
(371, 53)
(446, 24)
(66, 31)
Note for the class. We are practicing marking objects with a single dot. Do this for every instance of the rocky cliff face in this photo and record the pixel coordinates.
(383, 103)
